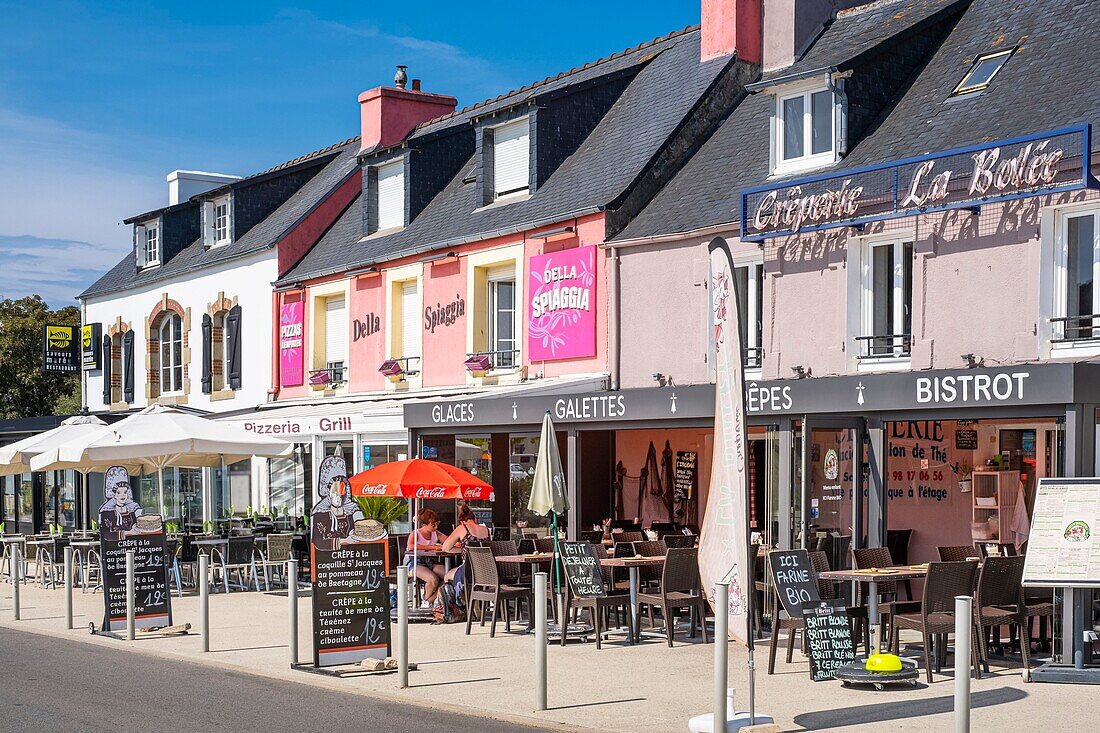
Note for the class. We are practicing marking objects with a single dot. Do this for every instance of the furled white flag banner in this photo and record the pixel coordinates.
(723, 546)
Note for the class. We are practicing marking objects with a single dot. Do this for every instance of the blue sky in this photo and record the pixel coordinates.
(98, 102)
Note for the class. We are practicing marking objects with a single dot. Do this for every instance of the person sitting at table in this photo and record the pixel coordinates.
(427, 537)
(468, 533)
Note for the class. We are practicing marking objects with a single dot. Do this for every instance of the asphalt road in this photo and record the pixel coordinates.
(50, 685)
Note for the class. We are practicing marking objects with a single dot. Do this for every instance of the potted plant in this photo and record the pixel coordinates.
(385, 509)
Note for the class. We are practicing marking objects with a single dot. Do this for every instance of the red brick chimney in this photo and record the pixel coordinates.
(388, 114)
(732, 25)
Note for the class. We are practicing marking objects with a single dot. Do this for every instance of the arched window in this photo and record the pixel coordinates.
(171, 353)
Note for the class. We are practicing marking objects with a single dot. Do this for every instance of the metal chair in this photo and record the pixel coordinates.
(680, 588)
(944, 581)
(275, 554)
(240, 557)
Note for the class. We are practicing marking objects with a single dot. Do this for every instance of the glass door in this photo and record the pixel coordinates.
(833, 506)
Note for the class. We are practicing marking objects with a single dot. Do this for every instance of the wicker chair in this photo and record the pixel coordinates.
(897, 541)
(544, 544)
(826, 589)
(956, 553)
(600, 608)
(649, 574)
(1000, 601)
(618, 537)
(275, 555)
(944, 581)
(485, 586)
(679, 540)
(680, 588)
(592, 536)
(879, 557)
(1039, 604)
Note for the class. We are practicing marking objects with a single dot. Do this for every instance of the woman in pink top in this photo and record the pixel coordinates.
(427, 538)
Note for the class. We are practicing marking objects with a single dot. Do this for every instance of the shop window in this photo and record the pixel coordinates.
(887, 299)
(1077, 311)
(290, 482)
(749, 281)
(805, 130)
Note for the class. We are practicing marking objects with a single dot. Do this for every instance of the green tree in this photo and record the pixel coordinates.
(25, 391)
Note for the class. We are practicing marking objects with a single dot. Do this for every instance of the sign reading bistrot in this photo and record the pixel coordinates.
(60, 349)
(123, 526)
(561, 317)
(953, 179)
(290, 343)
(1062, 547)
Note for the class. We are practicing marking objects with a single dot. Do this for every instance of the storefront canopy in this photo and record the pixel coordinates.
(16, 457)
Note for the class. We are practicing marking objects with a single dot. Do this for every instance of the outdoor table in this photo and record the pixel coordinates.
(632, 564)
(79, 549)
(872, 576)
(535, 560)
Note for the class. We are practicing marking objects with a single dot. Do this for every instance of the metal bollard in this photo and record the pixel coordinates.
(721, 655)
(540, 640)
(68, 587)
(131, 631)
(17, 577)
(402, 630)
(204, 600)
(963, 621)
(292, 610)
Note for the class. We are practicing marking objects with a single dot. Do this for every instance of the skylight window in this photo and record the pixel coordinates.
(981, 73)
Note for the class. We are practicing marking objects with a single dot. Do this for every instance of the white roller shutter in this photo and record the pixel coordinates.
(391, 195)
(410, 320)
(511, 157)
(336, 329)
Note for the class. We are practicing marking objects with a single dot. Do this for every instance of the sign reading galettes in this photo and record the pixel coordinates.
(954, 179)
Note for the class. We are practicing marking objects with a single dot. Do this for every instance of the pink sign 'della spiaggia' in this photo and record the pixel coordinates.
(561, 319)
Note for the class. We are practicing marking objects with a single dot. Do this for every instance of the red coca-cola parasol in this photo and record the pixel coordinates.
(419, 478)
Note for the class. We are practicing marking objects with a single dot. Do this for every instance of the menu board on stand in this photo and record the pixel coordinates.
(686, 474)
(1063, 549)
(794, 581)
(582, 568)
(828, 638)
(152, 604)
(351, 603)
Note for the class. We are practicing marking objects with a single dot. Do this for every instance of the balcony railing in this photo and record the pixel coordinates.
(754, 357)
(328, 377)
(1077, 328)
(884, 346)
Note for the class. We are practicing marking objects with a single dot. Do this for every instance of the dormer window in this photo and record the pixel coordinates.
(389, 193)
(217, 226)
(805, 130)
(147, 243)
(511, 158)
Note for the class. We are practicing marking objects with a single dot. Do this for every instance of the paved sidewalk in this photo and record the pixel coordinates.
(619, 688)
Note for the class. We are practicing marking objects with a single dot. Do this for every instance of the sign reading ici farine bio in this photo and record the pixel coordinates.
(561, 316)
(954, 179)
(60, 349)
(91, 335)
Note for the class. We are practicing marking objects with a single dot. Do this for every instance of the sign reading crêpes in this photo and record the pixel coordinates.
(954, 179)
(290, 343)
(561, 318)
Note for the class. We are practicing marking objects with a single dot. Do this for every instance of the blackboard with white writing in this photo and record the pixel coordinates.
(351, 603)
(582, 567)
(152, 606)
(794, 580)
(686, 474)
(828, 638)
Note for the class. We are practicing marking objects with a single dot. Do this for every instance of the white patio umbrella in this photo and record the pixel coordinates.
(15, 458)
(548, 493)
(158, 437)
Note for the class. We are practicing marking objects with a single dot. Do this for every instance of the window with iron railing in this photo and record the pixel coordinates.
(749, 281)
(1077, 300)
(887, 300)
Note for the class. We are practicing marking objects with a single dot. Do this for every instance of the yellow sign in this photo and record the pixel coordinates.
(86, 337)
(59, 337)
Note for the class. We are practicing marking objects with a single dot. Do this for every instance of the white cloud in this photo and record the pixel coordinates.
(56, 269)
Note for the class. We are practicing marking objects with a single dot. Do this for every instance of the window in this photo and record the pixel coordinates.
(171, 354)
(981, 73)
(221, 222)
(502, 317)
(511, 158)
(391, 195)
(805, 134)
(152, 244)
(887, 300)
(336, 337)
(217, 222)
(749, 280)
(1078, 262)
(410, 321)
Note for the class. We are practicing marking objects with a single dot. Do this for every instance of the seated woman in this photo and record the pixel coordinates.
(427, 538)
(468, 532)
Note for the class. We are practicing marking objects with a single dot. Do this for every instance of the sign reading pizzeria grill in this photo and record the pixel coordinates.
(954, 179)
(290, 343)
(60, 349)
(561, 315)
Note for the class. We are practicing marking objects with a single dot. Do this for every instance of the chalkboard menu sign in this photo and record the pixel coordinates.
(686, 474)
(152, 605)
(966, 439)
(794, 580)
(828, 638)
(582, 567)
(351, 603)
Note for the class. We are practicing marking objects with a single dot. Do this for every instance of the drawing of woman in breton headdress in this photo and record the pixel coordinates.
(119, 512)
(334, 516)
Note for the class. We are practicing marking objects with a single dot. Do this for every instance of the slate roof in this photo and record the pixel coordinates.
(649, 110)
(1045, 85)
(341, 162)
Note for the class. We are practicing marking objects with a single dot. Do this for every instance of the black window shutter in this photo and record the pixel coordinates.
(207, 353)
(107, 364)
(128, 367)
(233, 346)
